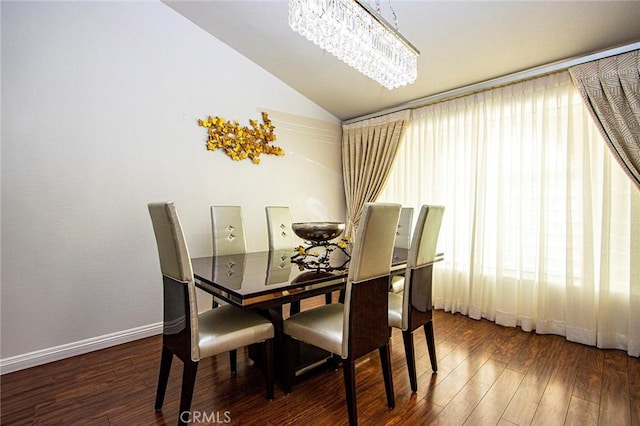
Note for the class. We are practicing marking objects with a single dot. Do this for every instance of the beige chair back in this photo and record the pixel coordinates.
(403, 234)
(281, 236)
(422, 252)
(372, 253)
(227, 227)
(175, 262)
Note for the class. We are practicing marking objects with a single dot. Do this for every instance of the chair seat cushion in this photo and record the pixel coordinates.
(226, 328)
(397, 284)
(395, 310)
(321, 327)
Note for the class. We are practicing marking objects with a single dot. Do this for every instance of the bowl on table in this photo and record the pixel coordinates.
(318, 231)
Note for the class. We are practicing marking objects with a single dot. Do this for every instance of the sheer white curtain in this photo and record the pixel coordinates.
(541, 228)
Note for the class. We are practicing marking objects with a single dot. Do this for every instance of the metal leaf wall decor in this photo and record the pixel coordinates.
(241, 142)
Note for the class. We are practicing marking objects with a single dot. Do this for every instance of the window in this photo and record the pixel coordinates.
(538, 215)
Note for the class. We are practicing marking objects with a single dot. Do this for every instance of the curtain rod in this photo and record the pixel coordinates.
(500, 81)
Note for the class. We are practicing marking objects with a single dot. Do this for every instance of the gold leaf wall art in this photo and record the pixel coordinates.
(241, 142)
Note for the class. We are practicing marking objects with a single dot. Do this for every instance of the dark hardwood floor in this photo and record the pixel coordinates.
(488, 375)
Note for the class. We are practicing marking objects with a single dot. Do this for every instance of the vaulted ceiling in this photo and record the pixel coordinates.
(461, 43)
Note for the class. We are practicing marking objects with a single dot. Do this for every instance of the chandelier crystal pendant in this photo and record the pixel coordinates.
(356, 34)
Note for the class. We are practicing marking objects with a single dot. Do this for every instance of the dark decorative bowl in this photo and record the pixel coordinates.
(318, 231)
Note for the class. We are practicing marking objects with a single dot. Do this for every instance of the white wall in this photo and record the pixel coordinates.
(100, 103)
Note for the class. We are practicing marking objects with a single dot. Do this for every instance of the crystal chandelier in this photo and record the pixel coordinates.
(356, 34)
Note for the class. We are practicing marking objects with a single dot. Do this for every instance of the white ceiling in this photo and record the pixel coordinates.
(461, 43)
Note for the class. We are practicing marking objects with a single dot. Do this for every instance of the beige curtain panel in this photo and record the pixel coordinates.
(611, 89)
(369, 148)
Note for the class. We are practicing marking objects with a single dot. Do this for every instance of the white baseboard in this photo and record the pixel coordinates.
(44, 356)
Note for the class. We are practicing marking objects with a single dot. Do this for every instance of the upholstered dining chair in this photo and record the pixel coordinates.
(413, 308)
(403, 241)
(359, 326)
(227, 226)
(282, 239)
(403, 234)
(281, 236)
(227, 230)
(186, 333)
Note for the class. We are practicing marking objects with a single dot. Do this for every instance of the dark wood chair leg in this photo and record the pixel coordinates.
(294, 308)
(268, 367)
(409, 353)
(214, 304)
(328, 298)
(431, 345)
(290, 360)
(385, 360)
(349, 371)
(233, 357)
(188, 383)
(163, 377)
(334, 362)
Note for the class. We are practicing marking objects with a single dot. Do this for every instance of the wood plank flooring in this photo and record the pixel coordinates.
(488, 375)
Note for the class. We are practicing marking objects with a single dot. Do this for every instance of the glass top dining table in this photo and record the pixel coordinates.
(268, 278)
